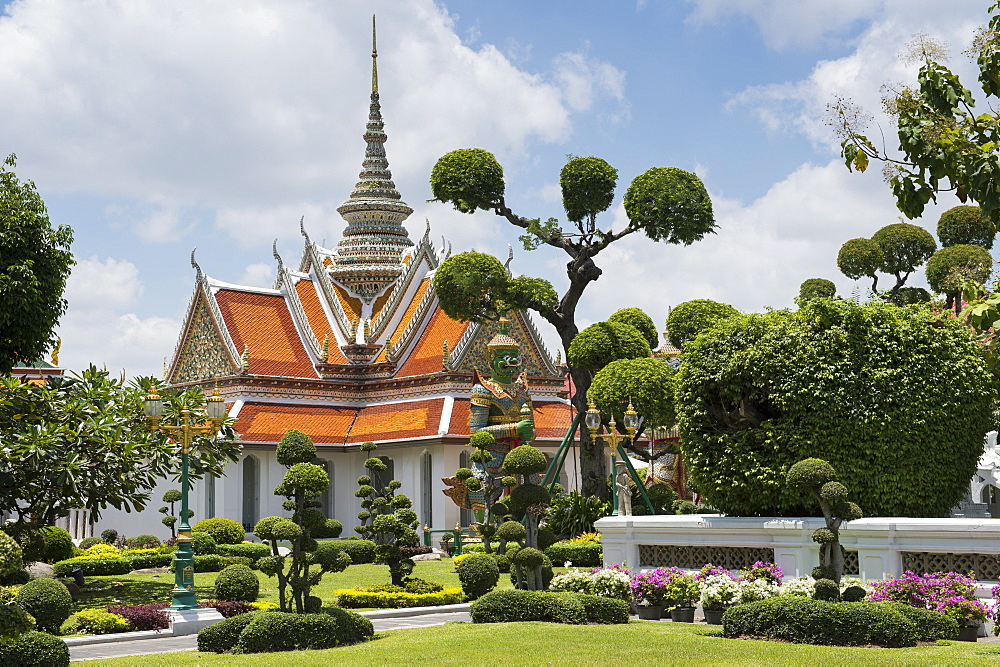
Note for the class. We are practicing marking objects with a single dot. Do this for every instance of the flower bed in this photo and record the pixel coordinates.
(359, 598)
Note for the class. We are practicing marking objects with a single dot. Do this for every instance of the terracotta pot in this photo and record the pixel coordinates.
(682, 614)
(714, 616)
(649, 613)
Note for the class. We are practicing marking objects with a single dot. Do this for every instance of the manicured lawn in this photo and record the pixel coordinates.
(147, 588)
(639, 642)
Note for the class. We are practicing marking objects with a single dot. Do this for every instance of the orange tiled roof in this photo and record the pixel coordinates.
(379, 304)
(262, 322)
(266, 422)
(411, 308)
(351, 306)
(397, 420)
(318, 321)
(426, 355)
(552, 419)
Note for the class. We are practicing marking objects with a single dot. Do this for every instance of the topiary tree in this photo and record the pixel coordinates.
(904, 247)
(817, 288)
(478, 574)
(387, 518)
(601, 343)
(909, 295)
(948, 267)
(637, 318)
(860, 258)
(237, 582)
(690, 318)
(965, 225)
(530, 501)
(302, 484)
(666, 204)
(819, 479)
(760, 392)
(172, 496)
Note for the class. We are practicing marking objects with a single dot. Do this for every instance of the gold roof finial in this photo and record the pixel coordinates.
(374, 59)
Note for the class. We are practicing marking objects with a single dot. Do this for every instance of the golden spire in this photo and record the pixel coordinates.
(374, 59)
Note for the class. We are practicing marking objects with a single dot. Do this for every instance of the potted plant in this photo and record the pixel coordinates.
(446, 543)
(684, 589)
(718, 593)
(969, 614)
(648, 589)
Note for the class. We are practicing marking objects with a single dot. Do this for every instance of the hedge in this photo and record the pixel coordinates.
(515, 606)
(354, 598)
(580, 555)
(265, 632)
(757, 393)
(252, 550)
(34, 648)
(805, 621)
(98, 567)
(206, 563)
(360, 551)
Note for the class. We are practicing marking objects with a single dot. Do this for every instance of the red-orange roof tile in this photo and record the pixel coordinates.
(263, 323)
(318, 321)
(350, 305)
(427, 354)
(396, 421)
(263, 422)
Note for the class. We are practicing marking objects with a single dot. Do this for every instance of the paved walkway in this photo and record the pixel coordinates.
(190, 642)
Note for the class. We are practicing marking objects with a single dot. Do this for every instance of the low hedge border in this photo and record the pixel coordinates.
(357, 598)
(579, 555)
(516, 606)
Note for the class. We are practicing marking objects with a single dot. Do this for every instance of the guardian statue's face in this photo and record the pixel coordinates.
(504, 364)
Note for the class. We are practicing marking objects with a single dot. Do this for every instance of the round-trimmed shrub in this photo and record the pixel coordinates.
(108, 536)
(515, 606)
(904, 247)
(329, 529)
(203, 543)
(468, 178)
(826, 589)
(817, 288)
(11, 556)
(947, 267)
(859, 258)
(762, 392)
(479, 574)
(48, 601)
(237, 582)
(688, 319)
(34, 649)
(526, 495)
(805, 621)
(223, 531)
(510, 531)
(14, 621)
(547, 573)
(853, 594)
(295, 447)
(603, 342)
(525, 460)
(58, 544)
(144, 541)
(638, 318)
(352, 627)
(360, 551)
(965, 225)
(222, 636)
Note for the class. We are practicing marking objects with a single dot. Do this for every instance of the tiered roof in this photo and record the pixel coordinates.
(352, 345)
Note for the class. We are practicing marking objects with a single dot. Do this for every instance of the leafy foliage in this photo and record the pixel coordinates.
(476, 286)
(648, 383)
(949, 267)
(222, 530)
(760, 392)
(690, 318)
(904, 247)
(588, 188)
(860, 258)
(670, 205)
(58, 544)
(965, 225)
(237, 582)
(603, 342)
(469, 179)
(82, 441)
(575, 513)
(479, 575)
(641, 321)
(35, 648)
(35, 262)
(47, 600)
(817, 288)
(11, 555)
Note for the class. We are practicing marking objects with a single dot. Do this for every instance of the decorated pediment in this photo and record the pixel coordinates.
(202, 353)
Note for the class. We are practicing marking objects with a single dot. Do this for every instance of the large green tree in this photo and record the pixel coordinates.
(34, 263)
(945, 144)
(666, 204)
(83, 442)
(895, 398)
(688, 319)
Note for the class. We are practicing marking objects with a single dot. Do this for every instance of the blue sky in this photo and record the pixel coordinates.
(153, 127)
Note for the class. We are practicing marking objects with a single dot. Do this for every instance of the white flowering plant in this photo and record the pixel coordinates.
(758, 589)
(719, 591)
(803, 587)
(609, 583)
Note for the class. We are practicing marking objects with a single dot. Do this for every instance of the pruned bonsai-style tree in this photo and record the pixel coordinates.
(666, 204)
(528, 500)
(172, 496)
(820, 479)
(303, 483)
(387, 518)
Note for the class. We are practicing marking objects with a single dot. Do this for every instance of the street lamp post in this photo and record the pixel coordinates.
(183, 594)
(613, 437)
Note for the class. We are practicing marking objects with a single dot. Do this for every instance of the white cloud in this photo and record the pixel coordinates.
(100, 284)
(257, 275)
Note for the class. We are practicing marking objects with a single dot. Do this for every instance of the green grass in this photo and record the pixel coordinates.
(638, 642)
(147, 588)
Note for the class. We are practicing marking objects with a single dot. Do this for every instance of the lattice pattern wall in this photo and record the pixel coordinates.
(985, 566)
(693, 558)
(852, 565)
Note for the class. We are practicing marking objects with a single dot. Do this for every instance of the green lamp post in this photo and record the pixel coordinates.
(184, 433)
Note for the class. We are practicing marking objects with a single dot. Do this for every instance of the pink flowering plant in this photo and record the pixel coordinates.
(649, 588)
(950, 593)
(710, 570)
(763, 570)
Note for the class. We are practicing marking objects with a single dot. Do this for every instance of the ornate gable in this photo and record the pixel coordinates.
(201, 353)
(469, 353)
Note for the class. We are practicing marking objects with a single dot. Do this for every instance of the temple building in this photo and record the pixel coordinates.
(348, 346)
